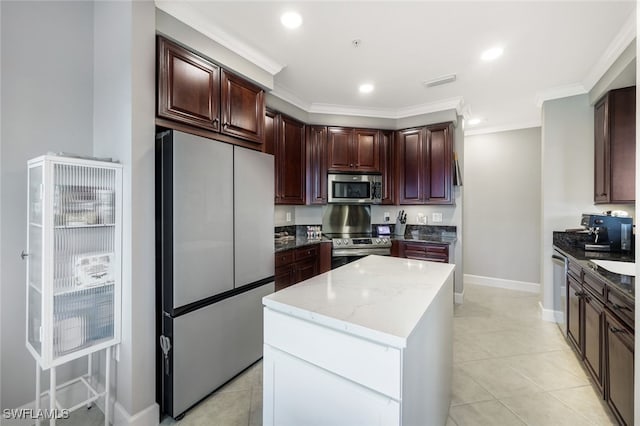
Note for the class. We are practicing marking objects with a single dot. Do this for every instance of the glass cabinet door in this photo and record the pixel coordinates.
(34, 258)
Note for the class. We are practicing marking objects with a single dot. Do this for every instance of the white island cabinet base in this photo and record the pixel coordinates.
(369, 343)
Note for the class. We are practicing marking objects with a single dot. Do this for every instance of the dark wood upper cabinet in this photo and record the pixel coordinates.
(188, 87)
(193, 92)
(316, 165)
(270, 132)
(243, 108)
(615, 147)
(439, 172)
(339, 146)
(290, 161)
(353, 150)
(410, 165)
(365, 151)
(387, 167)
(424, 164)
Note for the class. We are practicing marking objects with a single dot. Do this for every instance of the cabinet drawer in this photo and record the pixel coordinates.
(575, 270)
(622, 307)
(595, 285)
(307, 252)
(285, 257)
(370, 364)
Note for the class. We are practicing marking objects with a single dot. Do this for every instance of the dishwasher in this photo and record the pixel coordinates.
(560, 264)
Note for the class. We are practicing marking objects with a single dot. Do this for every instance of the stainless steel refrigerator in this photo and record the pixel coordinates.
(215, 262)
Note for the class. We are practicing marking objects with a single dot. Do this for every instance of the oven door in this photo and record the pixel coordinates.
(340, 257)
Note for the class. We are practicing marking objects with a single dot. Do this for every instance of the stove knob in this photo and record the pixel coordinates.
(338, 242)
(377, 240)
(345, 241)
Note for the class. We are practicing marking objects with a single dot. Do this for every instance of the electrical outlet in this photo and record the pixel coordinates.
(288, 216)
(436, 217)
(386, 216)
(421, 219)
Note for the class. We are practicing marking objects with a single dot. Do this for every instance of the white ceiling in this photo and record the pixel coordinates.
(551, 49)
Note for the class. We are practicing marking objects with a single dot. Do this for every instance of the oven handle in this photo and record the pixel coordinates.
(358, 252)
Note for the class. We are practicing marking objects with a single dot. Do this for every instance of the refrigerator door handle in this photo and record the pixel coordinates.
(165, 345)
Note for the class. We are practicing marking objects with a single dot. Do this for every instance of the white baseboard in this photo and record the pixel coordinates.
(551, 315)
(147, 417)
(458, 298)
(502, 283)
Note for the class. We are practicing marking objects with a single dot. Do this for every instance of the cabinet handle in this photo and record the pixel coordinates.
(620, 308)
(580, 293)
(24, 255)
(351, 165)
(215, 120)
(617, 330)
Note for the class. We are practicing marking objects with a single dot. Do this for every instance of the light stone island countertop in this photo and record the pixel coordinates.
(380, 298)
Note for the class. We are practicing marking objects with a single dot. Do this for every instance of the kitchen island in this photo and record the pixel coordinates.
(369, 343)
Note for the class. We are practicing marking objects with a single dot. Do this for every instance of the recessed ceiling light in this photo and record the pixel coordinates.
(366, 88)
(474, 121)
(491, 54)
(291, 20)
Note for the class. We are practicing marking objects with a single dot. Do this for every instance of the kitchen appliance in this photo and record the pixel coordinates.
(354, 189)
(609, 233)
(349, 228)
(560, 266)
(215, 249)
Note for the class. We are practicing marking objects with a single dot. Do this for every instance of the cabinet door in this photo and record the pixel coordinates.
(410, 170)
(316, 165)
(365, 153)
(290, 160)
(439, 167)
(622, 143)
(387, 167)
(306, 269)
(188, 87)
(271, 119)
(619, 369)
(284, 277)
(593, 340)
(340, 141)
(574, 313)
(242, 108)
(601, 152)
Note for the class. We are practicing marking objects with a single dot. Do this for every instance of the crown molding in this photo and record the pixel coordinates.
(388, 113)
(503, 128)
(559, 92)
(288, 96)
(186, 13)
(620, 42)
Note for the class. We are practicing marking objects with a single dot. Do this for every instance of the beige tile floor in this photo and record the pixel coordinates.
(510, 368)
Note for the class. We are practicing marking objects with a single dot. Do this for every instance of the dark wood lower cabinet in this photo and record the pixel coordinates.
(593, 338)
(295, 265)
(619, 368)
(600, 327)
(574, 313)
(420, 251)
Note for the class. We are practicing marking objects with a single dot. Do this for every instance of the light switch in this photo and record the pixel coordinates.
(436, 217)
(288, 216)
(386, 216)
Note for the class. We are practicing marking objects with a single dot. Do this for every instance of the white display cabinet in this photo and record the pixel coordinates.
(73, 263)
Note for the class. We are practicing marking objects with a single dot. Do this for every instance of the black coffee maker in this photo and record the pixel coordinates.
(609, 233)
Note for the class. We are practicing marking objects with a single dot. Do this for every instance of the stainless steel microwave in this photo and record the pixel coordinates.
(354, 189)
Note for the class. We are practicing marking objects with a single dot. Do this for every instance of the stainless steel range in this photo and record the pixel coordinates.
(349, 227)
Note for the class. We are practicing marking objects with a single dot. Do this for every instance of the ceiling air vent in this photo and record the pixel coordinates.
(440, 80)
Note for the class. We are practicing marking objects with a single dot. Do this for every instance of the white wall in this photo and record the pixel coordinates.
(502, 205)
(47, 97)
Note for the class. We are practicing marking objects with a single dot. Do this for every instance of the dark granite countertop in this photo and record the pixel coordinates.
(297, 242)
(564, 243)
(425, 238)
